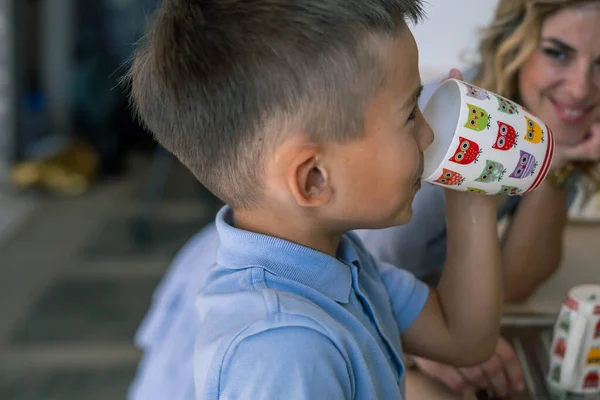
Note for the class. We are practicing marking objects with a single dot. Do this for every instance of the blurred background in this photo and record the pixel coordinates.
(91, 211)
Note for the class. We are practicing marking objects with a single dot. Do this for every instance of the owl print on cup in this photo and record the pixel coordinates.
(556, 373)
(535, 133)
(478, 119)
(493, 172)
(526, 166)
(507, 190)
(506, 138)
(475, 190)
(450, 178)
(466, 153)
(477, 93)
(507, 106)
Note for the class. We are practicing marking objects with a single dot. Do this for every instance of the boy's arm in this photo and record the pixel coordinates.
(460, 321)
(284, 363)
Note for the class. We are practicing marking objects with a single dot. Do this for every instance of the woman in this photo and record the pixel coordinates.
(545, 55)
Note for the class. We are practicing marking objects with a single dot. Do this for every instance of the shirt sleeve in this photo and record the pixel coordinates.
(285, 363)
(408, 295)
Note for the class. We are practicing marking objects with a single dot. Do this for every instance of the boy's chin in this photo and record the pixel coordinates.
(401, 217)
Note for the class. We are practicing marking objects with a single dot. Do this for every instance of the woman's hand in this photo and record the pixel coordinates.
(587, 150)
(455, 74)
(502, 374)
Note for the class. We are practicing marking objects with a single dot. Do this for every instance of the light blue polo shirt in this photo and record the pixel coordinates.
(278, 320)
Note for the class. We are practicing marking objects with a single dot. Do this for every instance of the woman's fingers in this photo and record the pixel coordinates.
(588, 150)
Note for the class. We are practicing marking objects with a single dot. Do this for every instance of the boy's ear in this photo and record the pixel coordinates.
(307, 178)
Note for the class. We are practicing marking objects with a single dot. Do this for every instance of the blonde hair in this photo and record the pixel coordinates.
(508, 41)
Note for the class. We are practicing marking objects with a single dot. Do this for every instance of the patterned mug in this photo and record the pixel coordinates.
(575, 352)
(484, 143)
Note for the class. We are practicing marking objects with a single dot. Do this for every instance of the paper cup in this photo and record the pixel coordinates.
(484, 143)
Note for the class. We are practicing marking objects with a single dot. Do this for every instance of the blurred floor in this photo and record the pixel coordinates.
(12, 209)
(75, 283)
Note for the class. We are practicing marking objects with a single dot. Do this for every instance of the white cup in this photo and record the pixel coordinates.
(484, 143)
(575, 352)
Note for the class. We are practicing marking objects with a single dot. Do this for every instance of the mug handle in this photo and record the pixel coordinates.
(573, 347)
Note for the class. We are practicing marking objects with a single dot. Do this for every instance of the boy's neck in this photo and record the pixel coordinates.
(293, 228)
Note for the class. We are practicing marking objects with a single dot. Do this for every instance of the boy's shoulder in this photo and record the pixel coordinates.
(259, 295)
(255, 341)
(265, 292)
(245, 317)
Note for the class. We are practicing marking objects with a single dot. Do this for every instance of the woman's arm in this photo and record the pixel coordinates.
(532, 246)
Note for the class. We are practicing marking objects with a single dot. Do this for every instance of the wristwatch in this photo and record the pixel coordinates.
(560, 178)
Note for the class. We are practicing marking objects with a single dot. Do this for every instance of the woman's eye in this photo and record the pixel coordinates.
(555, 54)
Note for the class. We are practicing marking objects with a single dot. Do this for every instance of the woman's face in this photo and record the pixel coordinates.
(560, 81)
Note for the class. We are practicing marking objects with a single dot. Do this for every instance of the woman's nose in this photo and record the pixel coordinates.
(579, 82)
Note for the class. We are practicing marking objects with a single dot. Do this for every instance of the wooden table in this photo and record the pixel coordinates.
(581, 264)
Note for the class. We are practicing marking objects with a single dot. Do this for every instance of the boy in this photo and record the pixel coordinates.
(302, 116)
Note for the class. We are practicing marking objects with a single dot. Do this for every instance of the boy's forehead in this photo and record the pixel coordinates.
(402, 75)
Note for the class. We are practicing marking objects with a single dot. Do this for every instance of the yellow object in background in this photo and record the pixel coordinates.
(70, 172)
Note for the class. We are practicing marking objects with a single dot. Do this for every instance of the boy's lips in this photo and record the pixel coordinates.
(417, 182)
(417, 185)
(421, 170)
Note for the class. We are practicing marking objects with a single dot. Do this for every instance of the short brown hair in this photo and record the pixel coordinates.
(213, 76)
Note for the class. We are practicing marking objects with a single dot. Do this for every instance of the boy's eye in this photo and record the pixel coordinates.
(413, 113)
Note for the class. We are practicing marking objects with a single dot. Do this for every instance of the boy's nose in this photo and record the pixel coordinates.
(427, 136)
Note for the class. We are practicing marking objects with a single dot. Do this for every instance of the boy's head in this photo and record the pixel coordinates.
(280, 102)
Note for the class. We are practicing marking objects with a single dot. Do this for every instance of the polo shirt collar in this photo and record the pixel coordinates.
(240, 249)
